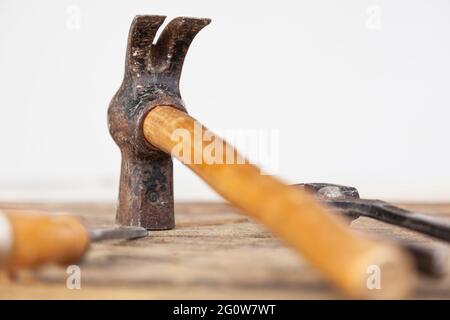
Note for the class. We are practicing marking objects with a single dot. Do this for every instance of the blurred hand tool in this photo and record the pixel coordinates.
(147, 111)
(30, 239)
(345, 200)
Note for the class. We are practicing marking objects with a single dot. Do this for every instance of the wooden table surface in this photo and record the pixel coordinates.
(214, 253)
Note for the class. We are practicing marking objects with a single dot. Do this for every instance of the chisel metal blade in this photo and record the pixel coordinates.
(125, 233)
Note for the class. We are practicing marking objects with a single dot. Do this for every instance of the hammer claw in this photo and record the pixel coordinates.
(174, 42)
(142, 33)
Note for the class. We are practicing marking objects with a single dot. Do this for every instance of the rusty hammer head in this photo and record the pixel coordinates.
(152, 75)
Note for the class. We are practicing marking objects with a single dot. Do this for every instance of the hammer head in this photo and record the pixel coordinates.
(152, 76)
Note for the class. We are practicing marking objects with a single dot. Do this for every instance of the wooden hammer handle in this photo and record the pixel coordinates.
(29, 239)
(344, 257)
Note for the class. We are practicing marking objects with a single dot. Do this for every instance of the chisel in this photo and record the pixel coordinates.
(29, 239)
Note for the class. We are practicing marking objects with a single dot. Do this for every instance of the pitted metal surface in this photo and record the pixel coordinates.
(152, 76)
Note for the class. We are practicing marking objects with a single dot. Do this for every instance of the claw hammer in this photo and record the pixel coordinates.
(147, 113)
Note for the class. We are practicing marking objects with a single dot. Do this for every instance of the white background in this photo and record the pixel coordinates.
(358, 89)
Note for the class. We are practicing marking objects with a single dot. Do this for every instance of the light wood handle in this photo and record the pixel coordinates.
(344, 257)
(37, 238)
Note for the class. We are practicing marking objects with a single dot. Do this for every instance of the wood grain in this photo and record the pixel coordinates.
(214, 253)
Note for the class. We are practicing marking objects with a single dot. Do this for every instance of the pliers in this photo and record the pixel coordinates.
(345, 200)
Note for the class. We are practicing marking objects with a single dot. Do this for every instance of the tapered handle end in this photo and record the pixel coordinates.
(381, 272)
(37, 239)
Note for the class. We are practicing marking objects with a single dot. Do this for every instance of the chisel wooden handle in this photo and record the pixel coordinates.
(29, 239)
(344, 257)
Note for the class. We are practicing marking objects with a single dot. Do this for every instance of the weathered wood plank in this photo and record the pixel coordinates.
(213, 253)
